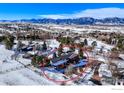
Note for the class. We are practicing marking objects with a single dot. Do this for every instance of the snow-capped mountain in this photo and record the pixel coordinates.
(77, 21)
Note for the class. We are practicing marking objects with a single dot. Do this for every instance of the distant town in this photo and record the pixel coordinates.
(61, 54)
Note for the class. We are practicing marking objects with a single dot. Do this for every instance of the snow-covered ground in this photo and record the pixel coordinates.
(99, 44)
(23, 77)
(5, 54)
(14, 73)
(85, 28)
(5, 59)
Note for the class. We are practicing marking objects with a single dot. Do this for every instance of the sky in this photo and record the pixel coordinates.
(14, 11)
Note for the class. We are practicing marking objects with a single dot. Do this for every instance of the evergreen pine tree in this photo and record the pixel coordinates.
(60, 50)
(44, 46)
(81, 53)
(9, 41)
(85, 42)
(94, 43)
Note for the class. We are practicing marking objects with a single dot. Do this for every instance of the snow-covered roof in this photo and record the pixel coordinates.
(32, 52)
(53, 43)
(101, 59)
(122, 56)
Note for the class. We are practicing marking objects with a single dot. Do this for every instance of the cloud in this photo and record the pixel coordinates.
(61, 16)
(95, 13)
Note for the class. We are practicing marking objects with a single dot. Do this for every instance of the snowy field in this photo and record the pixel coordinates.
(14, 73)
(99, 44)
(5, 54)
(23, 77)
(86, 28)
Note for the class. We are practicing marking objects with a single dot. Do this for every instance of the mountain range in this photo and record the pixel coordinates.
(77, 21)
